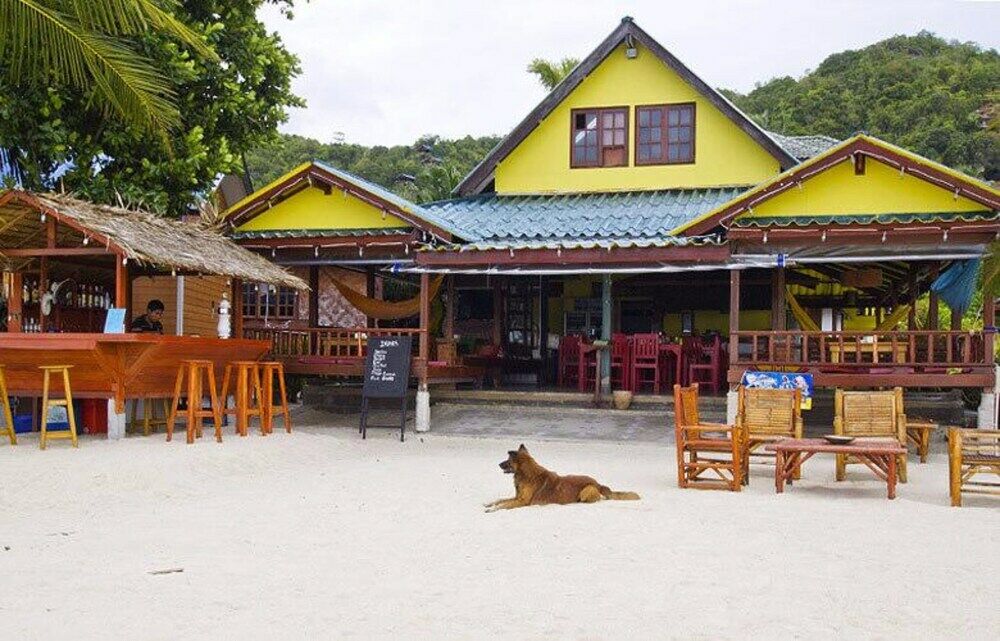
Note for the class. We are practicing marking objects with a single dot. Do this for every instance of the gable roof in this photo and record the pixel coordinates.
(575, 217)
(860, 144)
(482, 174)
(804, 147)
(317, 174)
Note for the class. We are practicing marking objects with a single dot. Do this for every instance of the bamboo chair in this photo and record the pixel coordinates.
(869, 415)
(724, 446)
(972, 452)
(766, 416)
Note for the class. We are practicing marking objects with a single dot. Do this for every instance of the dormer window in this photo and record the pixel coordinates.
(600, 137)
(664, 134)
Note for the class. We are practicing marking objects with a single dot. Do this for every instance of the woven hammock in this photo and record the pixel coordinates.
(808, 324)
(382, 309)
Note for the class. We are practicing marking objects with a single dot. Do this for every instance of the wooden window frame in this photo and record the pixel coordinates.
(600, 135)
(665, 138)
(260, 304)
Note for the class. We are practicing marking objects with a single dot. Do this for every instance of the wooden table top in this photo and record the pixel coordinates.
(869, 446)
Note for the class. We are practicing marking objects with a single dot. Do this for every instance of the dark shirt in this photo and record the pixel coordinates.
(144, 325)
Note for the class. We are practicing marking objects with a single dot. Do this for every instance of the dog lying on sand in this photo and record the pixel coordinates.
(535, 485)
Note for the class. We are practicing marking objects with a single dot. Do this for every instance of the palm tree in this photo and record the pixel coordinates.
(552, 73)
(85, 44)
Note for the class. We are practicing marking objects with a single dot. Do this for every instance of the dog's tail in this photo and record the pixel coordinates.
(610, 494)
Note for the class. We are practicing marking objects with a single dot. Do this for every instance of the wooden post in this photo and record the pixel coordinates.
(313, 296)
(370, 292)
(734, 313)
(449, 311)
(425, 319)
(43, 285)
(932, 302)
(543, 328)
(989, 327)
(14, 303)
(605, 333)
(121, 282)
(237, 297)
(911, 318)
(956, 321)
(778, 299)
(498, 319)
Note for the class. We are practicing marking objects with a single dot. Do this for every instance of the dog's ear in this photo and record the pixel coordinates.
(512, 453)
(522, 448)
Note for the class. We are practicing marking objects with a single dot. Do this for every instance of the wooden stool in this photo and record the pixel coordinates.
(195, 393)
(66, 402)
(918, 432)
(7, 429)
(272, 369)
(149, 420)
(247, 399)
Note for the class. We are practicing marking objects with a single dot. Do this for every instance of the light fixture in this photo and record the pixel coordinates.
(86, 240)
(630, 51)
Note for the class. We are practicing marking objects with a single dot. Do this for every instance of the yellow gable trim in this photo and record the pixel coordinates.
(724, 153)
(269, 186)
(312, 208)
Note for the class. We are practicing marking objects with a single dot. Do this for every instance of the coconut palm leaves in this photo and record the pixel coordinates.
(552, 73)
(86, 44)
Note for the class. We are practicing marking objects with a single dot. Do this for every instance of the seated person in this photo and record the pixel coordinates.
(149, 322)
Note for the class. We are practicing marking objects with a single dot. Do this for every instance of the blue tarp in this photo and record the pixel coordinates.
(957, 284)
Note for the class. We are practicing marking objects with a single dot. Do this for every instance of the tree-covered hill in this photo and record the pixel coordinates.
(924, 93)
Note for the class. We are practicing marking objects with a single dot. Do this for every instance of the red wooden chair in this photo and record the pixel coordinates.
(569, 361)
(621, 362)
(646, 358)
(705, 364)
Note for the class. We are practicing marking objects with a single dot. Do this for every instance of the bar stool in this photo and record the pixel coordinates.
(247, 399)
(195, 392)
(7, 429)
(48, 403)
(270, 371)
(149, 420)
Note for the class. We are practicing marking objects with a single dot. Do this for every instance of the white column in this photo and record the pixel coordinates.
(732, 406)
(116, 422)
(423, 422)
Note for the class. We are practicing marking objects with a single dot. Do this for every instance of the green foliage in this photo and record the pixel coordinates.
(227, 103)
(934, 97)
(424, 171)
(551, 73)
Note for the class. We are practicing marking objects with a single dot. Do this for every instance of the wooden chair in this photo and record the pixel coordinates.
(569, 361)
(149, 420)
(870, 415)
(621, 362)
(724, 445)
(8, 427)
(970, 453)
(705, 363)
(646, 358)
(48, 403)
(768, 415)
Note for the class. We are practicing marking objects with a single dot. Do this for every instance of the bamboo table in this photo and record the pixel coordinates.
(918, 432)
(878, 454)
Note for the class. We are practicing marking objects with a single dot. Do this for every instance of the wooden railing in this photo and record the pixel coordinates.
(862, 350)
(343, 342)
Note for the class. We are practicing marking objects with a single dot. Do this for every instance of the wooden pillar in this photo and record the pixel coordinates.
(313, 296)
(14, 304)
(778, 299)
(370, 292)
(498, 315)
(237, 297)
(43, 286)
(425, 320)
(734, 313)
(911, 318)
(956, 321)
(989, 327)
(605, 333)
(448, 329)
(543, 328)
(932, 302)
(121, 282)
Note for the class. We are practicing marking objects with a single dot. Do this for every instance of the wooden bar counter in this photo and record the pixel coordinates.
(118, 366)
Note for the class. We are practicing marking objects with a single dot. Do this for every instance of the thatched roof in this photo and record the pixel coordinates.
(146, 238)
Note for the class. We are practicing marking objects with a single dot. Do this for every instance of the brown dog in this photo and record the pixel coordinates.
(535, 485)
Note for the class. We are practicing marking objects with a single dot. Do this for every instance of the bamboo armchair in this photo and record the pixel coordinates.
(724, 446)
(768, 415)
(972, 452)
(870, 415)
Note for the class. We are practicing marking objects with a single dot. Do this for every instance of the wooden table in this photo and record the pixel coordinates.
(877, 350)
(918, 432)
(117, 366)
(878, 454)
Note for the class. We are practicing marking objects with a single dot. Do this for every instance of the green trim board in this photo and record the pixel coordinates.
(805, 220)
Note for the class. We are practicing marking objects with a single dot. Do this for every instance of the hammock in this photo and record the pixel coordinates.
(889, 322)
(801, 315)
(957, 284)
(381, 309)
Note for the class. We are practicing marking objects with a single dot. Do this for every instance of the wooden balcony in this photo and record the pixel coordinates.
(927, 358)
(340, 351)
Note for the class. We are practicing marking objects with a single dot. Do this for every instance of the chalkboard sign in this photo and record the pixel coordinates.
(387, 375)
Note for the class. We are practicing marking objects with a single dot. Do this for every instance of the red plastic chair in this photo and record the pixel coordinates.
(646, 358)
(621, 362)
(569, 361)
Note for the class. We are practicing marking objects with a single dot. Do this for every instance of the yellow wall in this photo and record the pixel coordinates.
(880, 190)
(724, 154)
(311, 208)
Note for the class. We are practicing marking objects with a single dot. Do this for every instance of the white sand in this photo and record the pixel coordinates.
(319, 535)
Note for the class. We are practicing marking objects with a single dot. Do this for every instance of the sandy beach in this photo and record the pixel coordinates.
(320, 535)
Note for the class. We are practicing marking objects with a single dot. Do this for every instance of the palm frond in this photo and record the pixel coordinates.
(131, 17)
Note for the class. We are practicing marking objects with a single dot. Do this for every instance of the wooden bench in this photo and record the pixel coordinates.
(971, 453)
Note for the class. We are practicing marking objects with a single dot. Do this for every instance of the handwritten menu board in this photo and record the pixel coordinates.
(387, 367)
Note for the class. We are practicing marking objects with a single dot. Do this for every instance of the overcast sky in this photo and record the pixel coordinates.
(388, 71)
